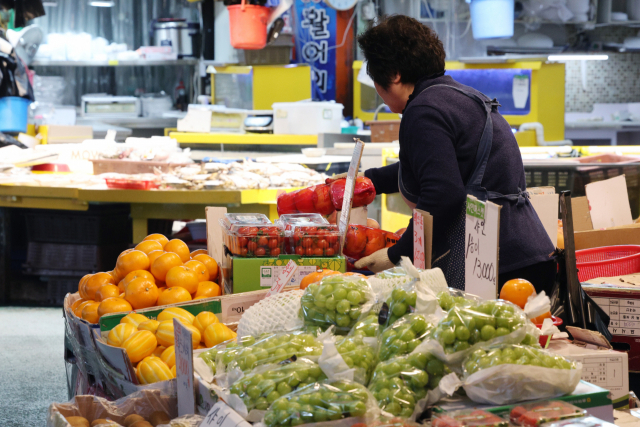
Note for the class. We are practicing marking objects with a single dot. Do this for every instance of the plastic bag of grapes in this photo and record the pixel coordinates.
(221, 349)
(405, 335)
(384, 282)
(405, 385)
(456, 298)
(321, 402)
(337, 300)
(258, 389)
(509, 373)
(349, 358)
(465, 329)
(411, 297)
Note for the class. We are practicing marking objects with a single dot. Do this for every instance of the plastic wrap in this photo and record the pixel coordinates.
(538, 413)
(384, 282)
(367, 326)
(349, 358)
(510, 373)
(409, 297)
(404, 335)
(468, 418)
(252, 235)
(456, 298)
(265, 384)
(277, 313)
(337, 300)
(362, 241)
(143, 403)
(588, 421)
(404, 385)
(466, 329)
(320, 402)
(363, 194)
(316, 199)
(192, 420)
(311, 240)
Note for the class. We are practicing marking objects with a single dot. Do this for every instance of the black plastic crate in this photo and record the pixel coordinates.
(101, 224)
(59, 286)
(67, 259)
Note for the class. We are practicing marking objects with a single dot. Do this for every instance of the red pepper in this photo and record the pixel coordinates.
(363, 194)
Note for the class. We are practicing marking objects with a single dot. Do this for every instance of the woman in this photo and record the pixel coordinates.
(453, 142)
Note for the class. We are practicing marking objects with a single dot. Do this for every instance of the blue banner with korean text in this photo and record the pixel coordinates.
(315, 45)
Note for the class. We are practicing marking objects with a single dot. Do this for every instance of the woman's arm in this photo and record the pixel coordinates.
(385, 179)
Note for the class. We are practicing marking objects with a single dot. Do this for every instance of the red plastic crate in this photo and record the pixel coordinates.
(130, 184)
(607, 261)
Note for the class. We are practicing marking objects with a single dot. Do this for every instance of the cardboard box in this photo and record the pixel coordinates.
(586, 237)
(252, 274)
(586, 396)
(601, 365)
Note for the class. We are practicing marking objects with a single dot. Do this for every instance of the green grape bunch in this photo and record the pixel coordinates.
(210, 356)
(392, 273)
(466, 326)
(404, 336)
(270, 348)
(367, 327)
(454, 298)
(357, 354)
(513, 354)
(317, 403)
(259, 389)
(400, 382)
(337, 300)
(400, 302)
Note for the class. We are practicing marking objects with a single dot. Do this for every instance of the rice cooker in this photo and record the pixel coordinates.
(182, 36)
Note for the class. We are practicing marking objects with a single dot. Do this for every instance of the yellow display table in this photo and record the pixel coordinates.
(170, 204)
(193, 138)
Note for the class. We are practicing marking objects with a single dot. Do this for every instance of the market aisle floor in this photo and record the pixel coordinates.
(32, 371)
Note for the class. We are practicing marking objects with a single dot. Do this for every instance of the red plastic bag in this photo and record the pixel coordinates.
(363, 194)
(315, 199)
(362, 241)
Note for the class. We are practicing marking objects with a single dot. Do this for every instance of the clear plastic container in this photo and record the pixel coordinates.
(310, 239)
(587, 421)
(536, 414)
(290, 220)
(468, 418)
(252, 235)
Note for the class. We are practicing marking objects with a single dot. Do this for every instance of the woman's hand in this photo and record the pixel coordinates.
(376, 262)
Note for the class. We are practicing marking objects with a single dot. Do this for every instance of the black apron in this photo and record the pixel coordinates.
(452, 262)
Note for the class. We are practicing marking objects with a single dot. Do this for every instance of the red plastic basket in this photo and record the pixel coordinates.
(607, 261)
(130, 184)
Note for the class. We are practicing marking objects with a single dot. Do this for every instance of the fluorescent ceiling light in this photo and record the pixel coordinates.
(50, 3)
(102, 3)
(570, 57)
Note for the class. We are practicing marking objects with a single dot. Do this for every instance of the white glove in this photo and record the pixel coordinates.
(376, 262)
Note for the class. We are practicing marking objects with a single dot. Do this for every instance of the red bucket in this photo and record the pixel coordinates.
(248, 25)
(545, 339)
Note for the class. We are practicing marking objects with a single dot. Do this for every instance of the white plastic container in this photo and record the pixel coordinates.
(306, 118)
(491, 19)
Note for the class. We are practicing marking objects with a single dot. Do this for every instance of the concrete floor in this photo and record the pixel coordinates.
(32, 368)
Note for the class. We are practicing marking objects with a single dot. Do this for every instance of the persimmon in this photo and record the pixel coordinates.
(158, 238)
(174, 295)
(95, 282)
(107, 291)
(141, 293)
(199, 268)
(163, 264)
(179, 247)
(517, 291)
(147, 246)
(210, 263)
(183, 277)
(131, 261)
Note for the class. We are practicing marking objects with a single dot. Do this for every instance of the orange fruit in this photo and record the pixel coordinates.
(95, 282)
(174, 295)
(131, 261)
(113, 305)
(107, 291)
(210, 263)
(115, 274)
(198, 252)
(78, 310)
(163, 264)
(76, 304)
(90, 312)
(161, 290)
(158, 238)
(183, 277)
(179, 247)
(147, 246)
(199, 268)
(141, 293)
(538, 320)
(153, 255)
(200, 297)
(208, 289)
(121, 285)
(138, 274)
(517, 291)
(83, 281)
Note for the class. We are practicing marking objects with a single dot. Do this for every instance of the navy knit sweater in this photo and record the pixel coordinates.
(439, 136)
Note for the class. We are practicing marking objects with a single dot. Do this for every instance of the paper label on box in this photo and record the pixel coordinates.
(283, 279)
(221, 415)
(184, 368)
(269, 273)
(624, 315)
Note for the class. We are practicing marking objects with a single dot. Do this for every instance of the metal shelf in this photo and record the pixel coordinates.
(116, 63)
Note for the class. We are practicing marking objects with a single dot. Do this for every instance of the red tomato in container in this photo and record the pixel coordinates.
(286, 203)
(322, 200)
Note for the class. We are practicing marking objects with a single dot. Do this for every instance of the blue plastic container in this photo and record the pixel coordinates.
(14, 112)
(492, 19)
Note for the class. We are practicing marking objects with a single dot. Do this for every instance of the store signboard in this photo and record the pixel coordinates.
(481, 245)
(316, 30)
(184, 369)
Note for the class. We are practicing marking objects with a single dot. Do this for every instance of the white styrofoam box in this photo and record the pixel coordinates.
(306, 117)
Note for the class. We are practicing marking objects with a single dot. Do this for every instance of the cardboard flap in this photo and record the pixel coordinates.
(581, 215)
(588, 337)
(609, 203)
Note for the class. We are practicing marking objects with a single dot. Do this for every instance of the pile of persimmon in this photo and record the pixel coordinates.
(157, 272)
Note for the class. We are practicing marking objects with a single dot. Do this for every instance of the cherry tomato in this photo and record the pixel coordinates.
(332, 238)
(307, 242)
(243, 251)
(263, 241)
(273, 243)
(242, 242)
(252, 246)
(336, 247)
(318, 251)
(260, 251)
(323, 244)
(310, 252)
(329, 252)
(299, 250)
(274, 252)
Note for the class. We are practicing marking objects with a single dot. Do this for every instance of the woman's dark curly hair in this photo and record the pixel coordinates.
(399, 44)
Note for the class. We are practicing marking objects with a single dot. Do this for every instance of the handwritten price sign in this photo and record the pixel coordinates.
(418, 240)
(184, 368)
(222, 415)
(283, 279)
(482, 234)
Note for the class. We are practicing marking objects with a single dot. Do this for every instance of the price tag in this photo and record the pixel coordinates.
(482, 234)
(221, 415)
(418, 240)
(283, 279)
(349, 187)
(184, 369)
